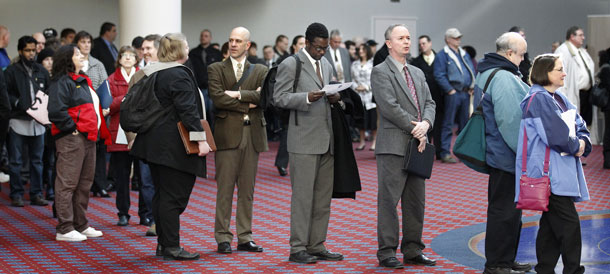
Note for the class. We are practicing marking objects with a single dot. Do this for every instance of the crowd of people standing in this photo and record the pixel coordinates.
(402, 98)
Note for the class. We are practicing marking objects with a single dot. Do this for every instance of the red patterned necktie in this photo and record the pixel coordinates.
(411, 87)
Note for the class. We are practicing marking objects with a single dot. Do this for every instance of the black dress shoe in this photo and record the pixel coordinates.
(391, 262)
(420, 259)
(525, 267)
(250, 247)
(145, 221)
(282, 171)
(179, 254)
(501, 270)
(159, 251)
(224, 248)
(17, 202)
(38, 201)
(328, 256)
(302, 257)
(123, 221)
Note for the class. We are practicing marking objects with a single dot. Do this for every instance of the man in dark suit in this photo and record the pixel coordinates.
(201, 57)
(339, 58)
(424, 62)
(310, 146)
(103, 48)
(240, 136)
(406, 111)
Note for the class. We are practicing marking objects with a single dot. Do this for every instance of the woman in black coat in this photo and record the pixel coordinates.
(173, 170)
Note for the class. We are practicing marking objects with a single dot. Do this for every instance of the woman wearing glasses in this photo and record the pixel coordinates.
(119, 83)
(552, 122)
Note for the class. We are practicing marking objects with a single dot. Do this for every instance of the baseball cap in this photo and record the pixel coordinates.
(453, 33)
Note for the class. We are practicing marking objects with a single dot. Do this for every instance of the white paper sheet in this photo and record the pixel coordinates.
(334, 88)
(569, 118)
(121, 138)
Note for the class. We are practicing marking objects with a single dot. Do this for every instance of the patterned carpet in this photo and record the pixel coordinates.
(456, 200)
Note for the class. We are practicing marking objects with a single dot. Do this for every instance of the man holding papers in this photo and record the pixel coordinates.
(310, 145)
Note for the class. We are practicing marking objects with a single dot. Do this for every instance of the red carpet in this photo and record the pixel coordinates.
(455, 198)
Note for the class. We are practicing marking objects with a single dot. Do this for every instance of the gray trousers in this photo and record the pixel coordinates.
(311, 176)
(235, 167)
(397, 185)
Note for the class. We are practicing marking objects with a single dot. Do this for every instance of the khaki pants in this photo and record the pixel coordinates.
(75, 170)
(235, 166)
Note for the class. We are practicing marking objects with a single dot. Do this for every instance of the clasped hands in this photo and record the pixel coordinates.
(419, 132)
(315, 95)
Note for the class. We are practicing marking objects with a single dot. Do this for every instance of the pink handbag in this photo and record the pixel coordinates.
(534, 193)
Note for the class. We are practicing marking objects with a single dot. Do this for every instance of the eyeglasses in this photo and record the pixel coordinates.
(131, 55)
(319, 48)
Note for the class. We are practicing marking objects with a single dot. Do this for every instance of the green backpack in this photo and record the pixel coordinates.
(470, 145)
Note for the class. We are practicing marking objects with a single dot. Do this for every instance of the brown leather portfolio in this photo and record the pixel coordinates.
(192, 147)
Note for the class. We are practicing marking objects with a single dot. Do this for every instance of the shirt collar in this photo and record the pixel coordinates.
(313, 61)
(398, 65)
(234, 62)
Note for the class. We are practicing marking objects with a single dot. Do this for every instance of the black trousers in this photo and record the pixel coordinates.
(503, 220)
(559, 234)
(281, 158)
(122, 168)
(172, 191)
(586, 109)
(99, 180)
(607, 139)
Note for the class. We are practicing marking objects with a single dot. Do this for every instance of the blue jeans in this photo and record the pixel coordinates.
(456, 108)
(147, 191)
(15, 145)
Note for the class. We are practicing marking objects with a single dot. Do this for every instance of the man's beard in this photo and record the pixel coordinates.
(26, 62)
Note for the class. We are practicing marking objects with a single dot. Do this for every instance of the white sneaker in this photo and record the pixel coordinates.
(90, 232)
(72, 236)
(4, 178)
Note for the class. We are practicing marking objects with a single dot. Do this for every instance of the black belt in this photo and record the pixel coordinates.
(247, 122)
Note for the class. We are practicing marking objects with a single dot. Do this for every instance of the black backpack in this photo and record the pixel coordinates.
(140, 108)
(267, 90)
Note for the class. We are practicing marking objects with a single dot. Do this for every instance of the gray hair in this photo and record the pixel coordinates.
(506, 41)
(335, 33)
(391, 28)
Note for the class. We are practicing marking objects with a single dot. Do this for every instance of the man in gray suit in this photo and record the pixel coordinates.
(339, 58)
(407, 111)
(310, 146)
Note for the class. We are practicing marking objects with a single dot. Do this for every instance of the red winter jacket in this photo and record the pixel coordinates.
(118, 89)
(71, 108)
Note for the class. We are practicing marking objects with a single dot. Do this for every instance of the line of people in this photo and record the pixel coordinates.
(199, 83)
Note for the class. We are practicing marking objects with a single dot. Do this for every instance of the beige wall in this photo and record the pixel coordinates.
(481, 21)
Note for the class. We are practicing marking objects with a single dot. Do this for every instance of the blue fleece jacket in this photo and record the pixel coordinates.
(501, 109)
